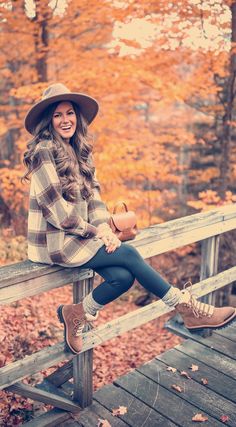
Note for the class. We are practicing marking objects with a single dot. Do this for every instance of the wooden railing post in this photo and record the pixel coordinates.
(83, 363)
(209, 266)
(209, 263)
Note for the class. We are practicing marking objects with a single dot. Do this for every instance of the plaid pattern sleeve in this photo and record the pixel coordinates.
(55, 209)
(97, 210)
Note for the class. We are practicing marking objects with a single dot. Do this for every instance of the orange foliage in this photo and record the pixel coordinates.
(147, 100)
(210, 199)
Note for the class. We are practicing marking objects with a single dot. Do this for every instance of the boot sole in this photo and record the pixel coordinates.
(61, 320)
(214, 328)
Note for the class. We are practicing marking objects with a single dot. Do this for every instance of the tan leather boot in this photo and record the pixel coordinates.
(198, 315)
(74, 319)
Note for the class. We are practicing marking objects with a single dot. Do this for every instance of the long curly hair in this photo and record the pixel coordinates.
(74, 166)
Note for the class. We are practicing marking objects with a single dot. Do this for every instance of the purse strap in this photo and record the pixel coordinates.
(120, 204)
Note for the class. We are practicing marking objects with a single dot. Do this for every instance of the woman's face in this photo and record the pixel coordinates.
(64, 120)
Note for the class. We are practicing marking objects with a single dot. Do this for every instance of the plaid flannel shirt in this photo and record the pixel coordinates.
(61, 232)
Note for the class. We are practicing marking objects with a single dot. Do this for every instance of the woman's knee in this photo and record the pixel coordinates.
(130, 254)
(123, 279)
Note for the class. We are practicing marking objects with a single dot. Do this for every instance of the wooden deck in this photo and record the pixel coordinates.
(150, 399)
(26, 279)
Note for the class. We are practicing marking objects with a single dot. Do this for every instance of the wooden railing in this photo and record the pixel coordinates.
(26, 279)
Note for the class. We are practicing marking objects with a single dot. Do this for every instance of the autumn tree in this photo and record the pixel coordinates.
(149, 96)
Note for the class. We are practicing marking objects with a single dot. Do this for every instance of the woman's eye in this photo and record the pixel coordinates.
(71, 112)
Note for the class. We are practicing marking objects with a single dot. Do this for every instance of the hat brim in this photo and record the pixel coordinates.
(87, 105)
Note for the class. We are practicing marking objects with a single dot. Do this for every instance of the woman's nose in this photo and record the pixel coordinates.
(65, 119)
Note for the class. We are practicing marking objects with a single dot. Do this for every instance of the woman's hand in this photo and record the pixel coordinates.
(113, 243)
(109, 238)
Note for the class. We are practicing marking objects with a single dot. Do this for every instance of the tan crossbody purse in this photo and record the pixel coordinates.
(124, 224)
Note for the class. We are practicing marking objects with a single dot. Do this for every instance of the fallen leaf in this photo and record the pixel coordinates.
(119, 411)
(204, 381)
(199, 418)
(171, 369)
(224, 418)
(185, 374)
(194, 368)
(103, 423)
(177, 388)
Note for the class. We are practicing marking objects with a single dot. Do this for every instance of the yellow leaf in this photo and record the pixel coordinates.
(194, 368)
(171, 369)
(119, 411)
(185, 374)
(199, 418)
(177, 388)
(103, 423)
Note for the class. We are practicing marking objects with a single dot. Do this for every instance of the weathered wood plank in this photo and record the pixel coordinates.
(44, 283)
(193, 392)
(182, 231)
(45, 385)
(68, 387)
(191, 222)
(44, 396)
(53, 418)
(83, 363)
(71, 423)
(200, 352)
(223, 345)
(39, 360)
(62, 374)
(229, 332)
(52, 355)
(162, 400)
(89, 417)
(217, 381)
(138, 414)
(22, 271)
(218, 342)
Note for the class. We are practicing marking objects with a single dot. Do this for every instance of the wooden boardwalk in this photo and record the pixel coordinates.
(150, 399)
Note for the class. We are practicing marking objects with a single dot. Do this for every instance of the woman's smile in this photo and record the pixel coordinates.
(64, 120)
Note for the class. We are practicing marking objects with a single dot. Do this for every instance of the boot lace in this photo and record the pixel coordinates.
(80, 324)
(199, 308)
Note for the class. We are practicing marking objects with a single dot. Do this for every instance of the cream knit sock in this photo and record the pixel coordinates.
(172, 297)
(90, 305)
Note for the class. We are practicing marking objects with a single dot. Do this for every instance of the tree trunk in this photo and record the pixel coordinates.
(227, 126)
(41, 37)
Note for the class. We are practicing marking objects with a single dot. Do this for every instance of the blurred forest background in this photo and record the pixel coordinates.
(164, 75)
(164, 141)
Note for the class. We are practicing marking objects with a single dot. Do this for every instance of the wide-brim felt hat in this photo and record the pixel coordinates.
(57, 92)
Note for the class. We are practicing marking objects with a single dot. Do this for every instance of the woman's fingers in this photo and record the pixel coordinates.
(106, 240)
(113, 245)
(110, 240)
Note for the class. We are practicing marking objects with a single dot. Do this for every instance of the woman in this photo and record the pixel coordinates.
(68, 224)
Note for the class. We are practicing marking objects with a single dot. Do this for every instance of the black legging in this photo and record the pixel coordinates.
(119, 269)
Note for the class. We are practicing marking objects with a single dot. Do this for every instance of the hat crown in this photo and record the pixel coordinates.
(54, 90)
